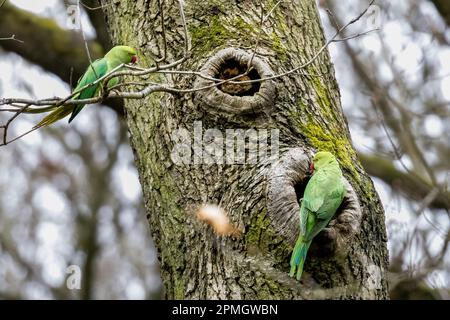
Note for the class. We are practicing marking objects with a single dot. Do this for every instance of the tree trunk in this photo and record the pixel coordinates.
(301, 111)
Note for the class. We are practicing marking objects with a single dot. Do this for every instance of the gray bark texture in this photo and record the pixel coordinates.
(349, 259)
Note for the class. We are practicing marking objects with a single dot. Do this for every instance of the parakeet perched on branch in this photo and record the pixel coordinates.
(115, 57)
(323, 196)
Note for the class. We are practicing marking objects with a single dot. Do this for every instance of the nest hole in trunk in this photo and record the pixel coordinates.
(240, 95)
(233, 69)
(300, 187)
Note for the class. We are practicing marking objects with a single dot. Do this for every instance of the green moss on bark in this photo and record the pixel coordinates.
(333, 142)
(262, 236)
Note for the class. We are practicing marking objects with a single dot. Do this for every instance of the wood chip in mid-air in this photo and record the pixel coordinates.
(217, 218)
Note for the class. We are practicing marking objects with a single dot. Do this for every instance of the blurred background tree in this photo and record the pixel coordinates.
(68, 197)
(70, 194)
(395, 87)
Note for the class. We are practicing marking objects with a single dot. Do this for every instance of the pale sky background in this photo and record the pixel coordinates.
(399, 219)
(46, 85)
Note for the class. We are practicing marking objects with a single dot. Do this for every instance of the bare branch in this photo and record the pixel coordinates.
(12, 37)
(412, 186)
(19, 106)
(163, 32)
(187, 43)
(94, 8)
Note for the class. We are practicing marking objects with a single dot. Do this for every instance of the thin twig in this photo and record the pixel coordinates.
(163, 32)
(356, 35)
(187, 43)
(258, 38)
(95, 8)
(397, 153)
(84, 39)
(6, 126)
(12, 37)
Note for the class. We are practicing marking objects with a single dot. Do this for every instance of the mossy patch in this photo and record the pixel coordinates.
(262, 236)
(333, 142)
(329, 134)
(278, 47)
(178, 288)
(207, 36)
(322, 96)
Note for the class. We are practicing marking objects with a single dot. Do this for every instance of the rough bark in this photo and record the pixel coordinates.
(347, 260)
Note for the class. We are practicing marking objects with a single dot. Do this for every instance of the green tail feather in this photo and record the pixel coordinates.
(76, 110)
(298, 257)
(59, 113)
(39, 110)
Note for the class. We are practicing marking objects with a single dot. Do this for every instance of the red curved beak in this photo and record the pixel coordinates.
(134, 59)
(311, 167)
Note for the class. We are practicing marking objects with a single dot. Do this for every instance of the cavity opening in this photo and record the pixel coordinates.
(232, 68)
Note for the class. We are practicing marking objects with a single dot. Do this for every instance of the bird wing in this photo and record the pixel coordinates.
(95, 71)
(323, 196)
(314, 195)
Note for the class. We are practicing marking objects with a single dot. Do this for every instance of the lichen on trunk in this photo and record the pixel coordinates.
(305, 114)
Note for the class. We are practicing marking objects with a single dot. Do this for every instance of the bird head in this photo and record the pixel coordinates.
(320, 159)
(124, 54)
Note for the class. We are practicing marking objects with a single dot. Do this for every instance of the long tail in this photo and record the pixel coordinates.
(298, 257)
(39, 110)
(57, 114)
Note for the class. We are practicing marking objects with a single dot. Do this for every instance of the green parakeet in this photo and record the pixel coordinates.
(115, 57)
(323, 196)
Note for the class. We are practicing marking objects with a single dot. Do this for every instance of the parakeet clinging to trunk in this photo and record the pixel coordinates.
(323, 196)
(115, 57)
